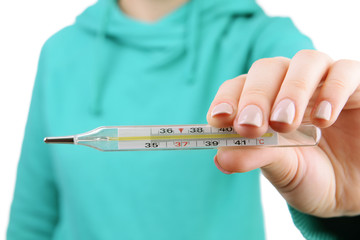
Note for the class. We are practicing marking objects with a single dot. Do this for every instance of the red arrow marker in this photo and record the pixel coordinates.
(181, 129)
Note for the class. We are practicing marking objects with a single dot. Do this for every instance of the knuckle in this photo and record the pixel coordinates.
(233, 81)
(341, 62)
(256, 91)
(227, 82)
(352, 64)
(226, 85)
(307, 52)
(312, 55)
(281, 62)
(272, 62)
(241, 77)
(300, 84)
(335, 83)
(261, 62)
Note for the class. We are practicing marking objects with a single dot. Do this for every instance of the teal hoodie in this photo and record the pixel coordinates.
(109, 69)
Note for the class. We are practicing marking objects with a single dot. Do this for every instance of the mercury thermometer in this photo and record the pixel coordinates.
(182, 137)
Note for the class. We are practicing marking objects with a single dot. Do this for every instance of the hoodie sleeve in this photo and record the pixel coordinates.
(34, 210)
(280, 37)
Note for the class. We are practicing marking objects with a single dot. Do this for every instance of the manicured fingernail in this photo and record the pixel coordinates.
(251, 115)
(219, 167)
(222, 108)
(323, 111)
(284, 112)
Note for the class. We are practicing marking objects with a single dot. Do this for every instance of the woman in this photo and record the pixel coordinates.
(161, 62)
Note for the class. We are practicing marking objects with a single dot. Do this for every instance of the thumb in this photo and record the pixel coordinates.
(281, 166)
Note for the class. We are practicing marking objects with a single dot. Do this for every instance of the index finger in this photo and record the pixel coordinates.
(223, 109)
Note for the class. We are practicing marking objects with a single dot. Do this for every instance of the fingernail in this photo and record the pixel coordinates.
(222, 108)
(323, 111)
(251, 115)
(220, 168)
(284, 112)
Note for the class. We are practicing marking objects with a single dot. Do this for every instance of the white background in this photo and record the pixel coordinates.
(25, 25)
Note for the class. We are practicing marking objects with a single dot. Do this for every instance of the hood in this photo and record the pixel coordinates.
(178, 30)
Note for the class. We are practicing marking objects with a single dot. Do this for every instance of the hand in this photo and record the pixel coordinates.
(324, 180)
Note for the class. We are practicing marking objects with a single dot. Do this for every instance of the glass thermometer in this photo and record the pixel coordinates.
(182, 137)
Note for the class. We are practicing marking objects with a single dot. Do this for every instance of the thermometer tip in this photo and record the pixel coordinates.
(69, 140)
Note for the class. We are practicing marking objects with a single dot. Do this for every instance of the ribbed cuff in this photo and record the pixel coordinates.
(326, 228)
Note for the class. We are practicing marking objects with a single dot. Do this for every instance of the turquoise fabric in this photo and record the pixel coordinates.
(109, 69)
(335, 228)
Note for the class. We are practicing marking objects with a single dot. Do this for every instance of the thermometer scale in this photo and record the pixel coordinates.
(184, 137)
